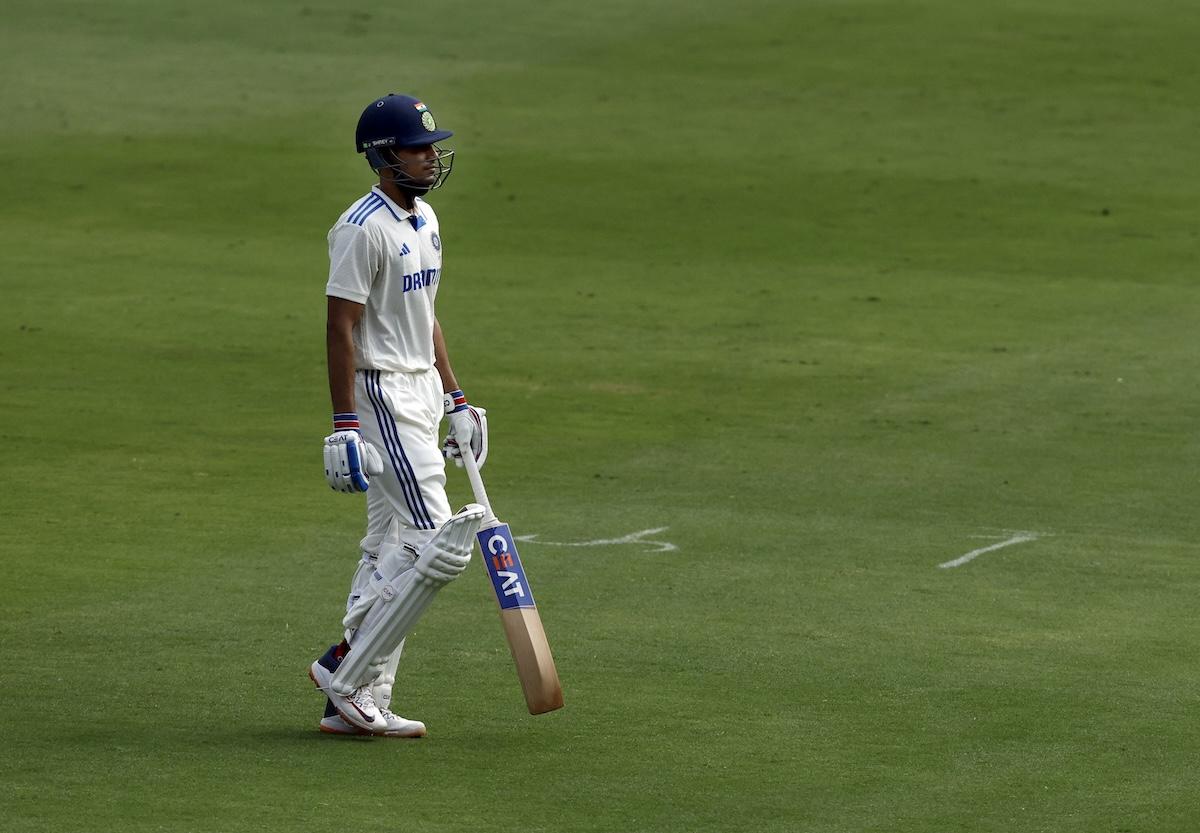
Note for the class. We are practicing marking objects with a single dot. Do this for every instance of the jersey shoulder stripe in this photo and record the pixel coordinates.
(365, 202)
(369, 205)
(365, 209)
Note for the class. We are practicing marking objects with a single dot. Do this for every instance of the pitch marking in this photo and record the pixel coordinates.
(1018, 538)
(631, 538)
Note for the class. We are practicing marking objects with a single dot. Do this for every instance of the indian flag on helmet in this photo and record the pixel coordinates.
(426, 117)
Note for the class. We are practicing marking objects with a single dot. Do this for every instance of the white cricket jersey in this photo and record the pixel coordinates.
(390, 261)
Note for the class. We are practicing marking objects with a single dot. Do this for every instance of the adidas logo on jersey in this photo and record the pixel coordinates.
(404, 250)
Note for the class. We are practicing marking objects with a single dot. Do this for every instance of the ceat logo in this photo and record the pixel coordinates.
(502, 559)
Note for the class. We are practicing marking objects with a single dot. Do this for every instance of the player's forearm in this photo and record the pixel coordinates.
(340, 360)
(441, 359)
(341, 318)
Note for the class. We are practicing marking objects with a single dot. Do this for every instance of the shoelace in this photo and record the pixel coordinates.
(362, 697)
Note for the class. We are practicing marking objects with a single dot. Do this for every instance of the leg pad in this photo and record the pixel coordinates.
(403, 598)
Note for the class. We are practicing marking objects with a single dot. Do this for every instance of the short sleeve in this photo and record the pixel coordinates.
(353, 263)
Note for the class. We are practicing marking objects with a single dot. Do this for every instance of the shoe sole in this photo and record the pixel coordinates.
(356, 733)
(362, 733)
(407, 735)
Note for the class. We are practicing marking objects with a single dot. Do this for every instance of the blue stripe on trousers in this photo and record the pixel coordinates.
(400, 462)
(411, 493)
(397, 467)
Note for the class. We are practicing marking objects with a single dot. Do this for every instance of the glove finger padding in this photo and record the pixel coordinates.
(358, 478)
(479, 439)
(337, 468)
(349, 462)
(451, 451)
(331, 469)
(469, 424)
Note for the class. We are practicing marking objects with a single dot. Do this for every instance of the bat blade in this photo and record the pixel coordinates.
(521, 620)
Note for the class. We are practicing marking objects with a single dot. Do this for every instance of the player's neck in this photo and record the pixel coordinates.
(404, 199)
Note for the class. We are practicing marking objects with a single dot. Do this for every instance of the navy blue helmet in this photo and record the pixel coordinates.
(400, 121)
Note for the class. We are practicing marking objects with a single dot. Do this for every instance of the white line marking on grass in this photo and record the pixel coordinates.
(1018, 538)
(631, 538)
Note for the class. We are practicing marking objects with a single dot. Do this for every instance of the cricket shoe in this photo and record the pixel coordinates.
(400, 727)
(335, 724)
(358, 707)
(397, 727)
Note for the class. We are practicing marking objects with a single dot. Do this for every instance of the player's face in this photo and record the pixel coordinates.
(418, 163)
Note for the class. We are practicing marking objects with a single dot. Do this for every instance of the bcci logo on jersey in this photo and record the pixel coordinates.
(504, 567)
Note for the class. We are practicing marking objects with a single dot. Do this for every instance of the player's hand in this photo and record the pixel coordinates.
(468, 426)
(349, 459)
(471, 423)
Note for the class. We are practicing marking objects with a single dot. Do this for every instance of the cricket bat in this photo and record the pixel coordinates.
(518, 613)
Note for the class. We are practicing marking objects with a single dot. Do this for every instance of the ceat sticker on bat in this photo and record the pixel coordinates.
(504, 566)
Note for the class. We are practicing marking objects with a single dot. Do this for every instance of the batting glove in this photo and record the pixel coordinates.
(468, 426)
(349, 459)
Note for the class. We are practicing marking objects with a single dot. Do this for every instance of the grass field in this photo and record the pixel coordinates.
(835, 291)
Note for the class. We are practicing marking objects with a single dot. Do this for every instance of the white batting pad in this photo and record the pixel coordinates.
(386, 681)
(404, 597)
(392, 562)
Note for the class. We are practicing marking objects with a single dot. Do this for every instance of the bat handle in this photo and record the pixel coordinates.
(481, 496)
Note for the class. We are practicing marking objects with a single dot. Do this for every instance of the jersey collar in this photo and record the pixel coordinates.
(414, 217)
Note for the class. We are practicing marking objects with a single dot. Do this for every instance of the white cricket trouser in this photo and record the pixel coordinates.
(399, 414)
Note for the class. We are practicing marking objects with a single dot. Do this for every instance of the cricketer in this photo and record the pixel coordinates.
(391, 383)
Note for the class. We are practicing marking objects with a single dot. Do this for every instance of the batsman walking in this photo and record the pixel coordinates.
(391, 383)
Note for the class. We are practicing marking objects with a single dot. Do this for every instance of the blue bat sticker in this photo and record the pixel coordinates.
(504, 566)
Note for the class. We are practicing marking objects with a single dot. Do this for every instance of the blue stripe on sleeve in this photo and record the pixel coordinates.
(365, 210)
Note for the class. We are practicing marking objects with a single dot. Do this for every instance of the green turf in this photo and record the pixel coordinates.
(830, 289)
